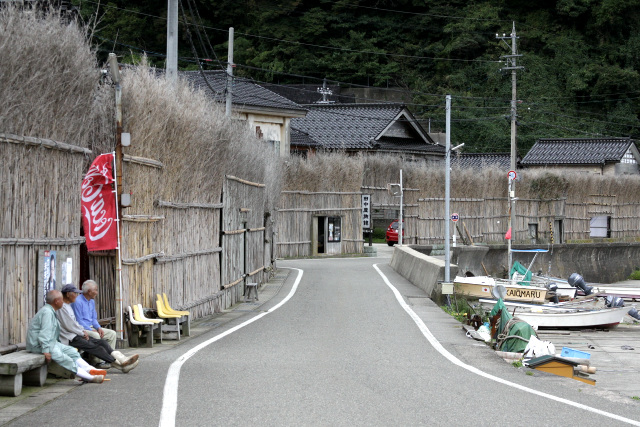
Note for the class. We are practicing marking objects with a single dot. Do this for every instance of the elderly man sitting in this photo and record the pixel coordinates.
(42, 337)
(71, 333)
(85, 310)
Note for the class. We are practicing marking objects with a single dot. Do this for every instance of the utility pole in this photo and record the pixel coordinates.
(512, 65)
(229, 74)
(172, 41)
(511, 61)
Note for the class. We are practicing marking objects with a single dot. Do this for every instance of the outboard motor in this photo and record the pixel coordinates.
(614, 301)
(577, 281)
(634, 313)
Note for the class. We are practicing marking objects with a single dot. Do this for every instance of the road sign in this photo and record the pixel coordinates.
(455, 217)
(366, 211)
(512, 175)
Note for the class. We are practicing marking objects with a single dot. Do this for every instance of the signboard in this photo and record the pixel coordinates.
(455, 217)
(55, 269)
(512, 175)
(98, 205)
(366, 211)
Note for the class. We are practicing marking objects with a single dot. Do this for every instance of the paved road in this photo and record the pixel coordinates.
(341, 351)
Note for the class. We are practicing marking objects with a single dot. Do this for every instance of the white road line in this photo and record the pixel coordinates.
(436, 344)
(170, 394)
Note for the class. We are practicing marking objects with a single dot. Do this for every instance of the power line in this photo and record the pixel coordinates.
(394, 55)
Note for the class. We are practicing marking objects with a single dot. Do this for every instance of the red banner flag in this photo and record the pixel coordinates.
(99, 205)
(508, 234)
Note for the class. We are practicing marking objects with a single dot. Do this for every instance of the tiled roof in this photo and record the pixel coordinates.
(588, 151)
(245, 92)
(407, 144)
(352, 126)
(481, 160)
(299, 138)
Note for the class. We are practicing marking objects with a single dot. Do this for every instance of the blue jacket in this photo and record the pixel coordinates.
(85, 311)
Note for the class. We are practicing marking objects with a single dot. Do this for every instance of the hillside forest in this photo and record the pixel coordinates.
(580, 58)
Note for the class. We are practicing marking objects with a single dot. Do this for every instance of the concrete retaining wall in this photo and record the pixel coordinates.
(422, 270)
(596, 262)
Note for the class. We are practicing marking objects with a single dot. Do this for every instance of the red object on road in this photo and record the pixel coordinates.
(391, 236)
(98, 204)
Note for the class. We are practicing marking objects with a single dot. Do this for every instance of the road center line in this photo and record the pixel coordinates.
(436, 344)
(170, 393)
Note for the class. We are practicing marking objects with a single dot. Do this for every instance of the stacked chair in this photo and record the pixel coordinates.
(176, 322)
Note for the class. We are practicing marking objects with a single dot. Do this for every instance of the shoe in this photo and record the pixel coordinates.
(125, 369)
(123, 360)
(103, 365)
(97, 379)
(98, 372)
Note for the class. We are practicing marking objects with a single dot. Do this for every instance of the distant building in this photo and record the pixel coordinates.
(268, 114)
(370, 128)
(604, 156)
(481, 160)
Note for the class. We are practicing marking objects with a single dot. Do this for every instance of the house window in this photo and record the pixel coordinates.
(628, 157)
(600, 226)
(275, 144)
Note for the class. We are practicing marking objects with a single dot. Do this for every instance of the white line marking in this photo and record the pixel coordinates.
(170, 394)
(436, 344)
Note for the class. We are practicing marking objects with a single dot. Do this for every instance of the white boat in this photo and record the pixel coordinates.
(482, 286)
(545, 316)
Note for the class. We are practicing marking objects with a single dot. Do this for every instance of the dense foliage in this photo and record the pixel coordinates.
(581, 57)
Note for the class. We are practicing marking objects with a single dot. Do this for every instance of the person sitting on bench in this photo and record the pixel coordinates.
(42, 337)
(71, 333)
(85, 311)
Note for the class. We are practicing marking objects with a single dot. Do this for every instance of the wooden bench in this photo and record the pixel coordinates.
(141, 329)
(22, 367)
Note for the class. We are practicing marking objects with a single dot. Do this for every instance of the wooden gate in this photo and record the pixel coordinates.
(243, 236)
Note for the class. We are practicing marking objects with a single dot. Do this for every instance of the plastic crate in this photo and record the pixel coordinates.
(570, 352)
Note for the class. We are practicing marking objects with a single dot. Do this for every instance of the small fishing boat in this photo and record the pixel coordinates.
(600, 318)
(585, 315)
(482, 287)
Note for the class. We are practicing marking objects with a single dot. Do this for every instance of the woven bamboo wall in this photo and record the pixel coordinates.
(295, 216)
(243, 240)
(40, 198)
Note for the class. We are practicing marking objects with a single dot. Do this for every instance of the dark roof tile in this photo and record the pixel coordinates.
(588, 151)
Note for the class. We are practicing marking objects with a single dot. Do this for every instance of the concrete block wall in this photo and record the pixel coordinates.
(422, 270)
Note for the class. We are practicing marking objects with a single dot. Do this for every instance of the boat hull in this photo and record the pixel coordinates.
(477, 287)
(604, 318)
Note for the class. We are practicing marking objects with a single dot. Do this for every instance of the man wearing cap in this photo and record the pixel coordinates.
(85, 311)
(42, 337)
(72, 333)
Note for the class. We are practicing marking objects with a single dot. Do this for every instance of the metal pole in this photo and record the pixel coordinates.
(229, 73)
(117, 172)
(400, 226)
(447, 185)
(172, 40)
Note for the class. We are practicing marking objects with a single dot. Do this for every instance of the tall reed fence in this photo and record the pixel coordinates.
(296, 215)
(40, 198)
(551, 207)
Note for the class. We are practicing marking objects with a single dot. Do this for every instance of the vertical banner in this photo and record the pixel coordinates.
(366, 211)
(99, 211)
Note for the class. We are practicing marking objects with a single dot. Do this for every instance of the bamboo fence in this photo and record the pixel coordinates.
(40, 198)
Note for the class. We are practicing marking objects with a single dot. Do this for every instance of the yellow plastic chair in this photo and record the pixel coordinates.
(171, 310)
(162, 311)
(138, 315)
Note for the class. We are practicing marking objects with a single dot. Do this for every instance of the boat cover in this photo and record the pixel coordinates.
(523, 274)
(519, 329)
